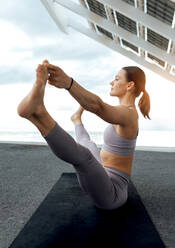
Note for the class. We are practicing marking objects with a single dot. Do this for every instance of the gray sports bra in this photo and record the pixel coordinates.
(116, 144)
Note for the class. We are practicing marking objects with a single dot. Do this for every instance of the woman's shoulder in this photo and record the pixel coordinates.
(130, 128)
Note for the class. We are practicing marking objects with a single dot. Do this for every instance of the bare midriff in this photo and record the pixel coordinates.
(116, 161)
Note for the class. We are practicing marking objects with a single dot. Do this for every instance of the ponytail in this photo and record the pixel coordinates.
(137, 75)
(144, 104)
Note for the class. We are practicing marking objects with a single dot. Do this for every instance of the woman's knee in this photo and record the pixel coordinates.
(84, 153)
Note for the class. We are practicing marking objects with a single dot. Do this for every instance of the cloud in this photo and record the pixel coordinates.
(23, 48)
(31, 17)
(80, 57)
(29, 35)
(14, 74)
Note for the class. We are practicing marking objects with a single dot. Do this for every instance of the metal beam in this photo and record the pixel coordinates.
(113, 28)
(50, 8)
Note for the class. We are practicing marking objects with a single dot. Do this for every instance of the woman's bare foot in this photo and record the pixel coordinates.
(76, 117)
(33, 103)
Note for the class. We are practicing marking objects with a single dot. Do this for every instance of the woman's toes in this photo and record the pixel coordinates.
(45, 62)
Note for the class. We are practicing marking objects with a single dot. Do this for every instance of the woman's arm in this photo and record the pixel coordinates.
(88, 100)
(60, 79)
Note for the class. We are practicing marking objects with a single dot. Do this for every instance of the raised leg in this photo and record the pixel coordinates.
(32, 107)
(92, 177)
(82, 136)
(84, 139)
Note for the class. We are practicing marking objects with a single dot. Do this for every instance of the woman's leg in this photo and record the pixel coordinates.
(82, 135)
(91, 175)
(104, 193)
(84, 139)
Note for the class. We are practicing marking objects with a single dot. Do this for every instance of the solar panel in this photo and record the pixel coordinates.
(131, 2)
(97, 8)
(126, 23)
(105, 32)
(157, 40)
(142, 30)
(129, 45)
(163, 10)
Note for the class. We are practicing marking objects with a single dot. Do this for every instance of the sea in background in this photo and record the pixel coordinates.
(150, 138)
(159, 132)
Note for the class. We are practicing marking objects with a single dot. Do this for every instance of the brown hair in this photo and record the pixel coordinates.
(134, 73)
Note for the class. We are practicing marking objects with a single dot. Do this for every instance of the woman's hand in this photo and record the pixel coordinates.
(57, 76)
(42, 72)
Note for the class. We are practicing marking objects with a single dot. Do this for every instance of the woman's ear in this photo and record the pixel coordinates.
(131, 84)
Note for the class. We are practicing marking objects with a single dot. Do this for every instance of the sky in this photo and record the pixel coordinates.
(29, 35)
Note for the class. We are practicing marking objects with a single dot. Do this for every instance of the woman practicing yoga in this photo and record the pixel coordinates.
(104, 175)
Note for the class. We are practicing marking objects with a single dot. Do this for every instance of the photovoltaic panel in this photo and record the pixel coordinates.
(97, 8)
(131, 2)
(142, 30)
(157, 39)
(126, 23)
(163, 10)
(105, 32)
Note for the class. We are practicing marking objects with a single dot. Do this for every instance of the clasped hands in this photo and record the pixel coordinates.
(54, 74)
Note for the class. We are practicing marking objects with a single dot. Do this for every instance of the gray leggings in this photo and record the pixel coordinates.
(107, 187)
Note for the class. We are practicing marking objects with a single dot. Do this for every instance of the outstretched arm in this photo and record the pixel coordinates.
(88, 100)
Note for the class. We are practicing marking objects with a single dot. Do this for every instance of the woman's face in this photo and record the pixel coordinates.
(119, 84)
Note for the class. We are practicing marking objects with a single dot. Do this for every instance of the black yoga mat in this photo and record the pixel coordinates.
(68, 218)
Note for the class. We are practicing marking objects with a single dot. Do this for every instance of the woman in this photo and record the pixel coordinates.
(103, 175)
